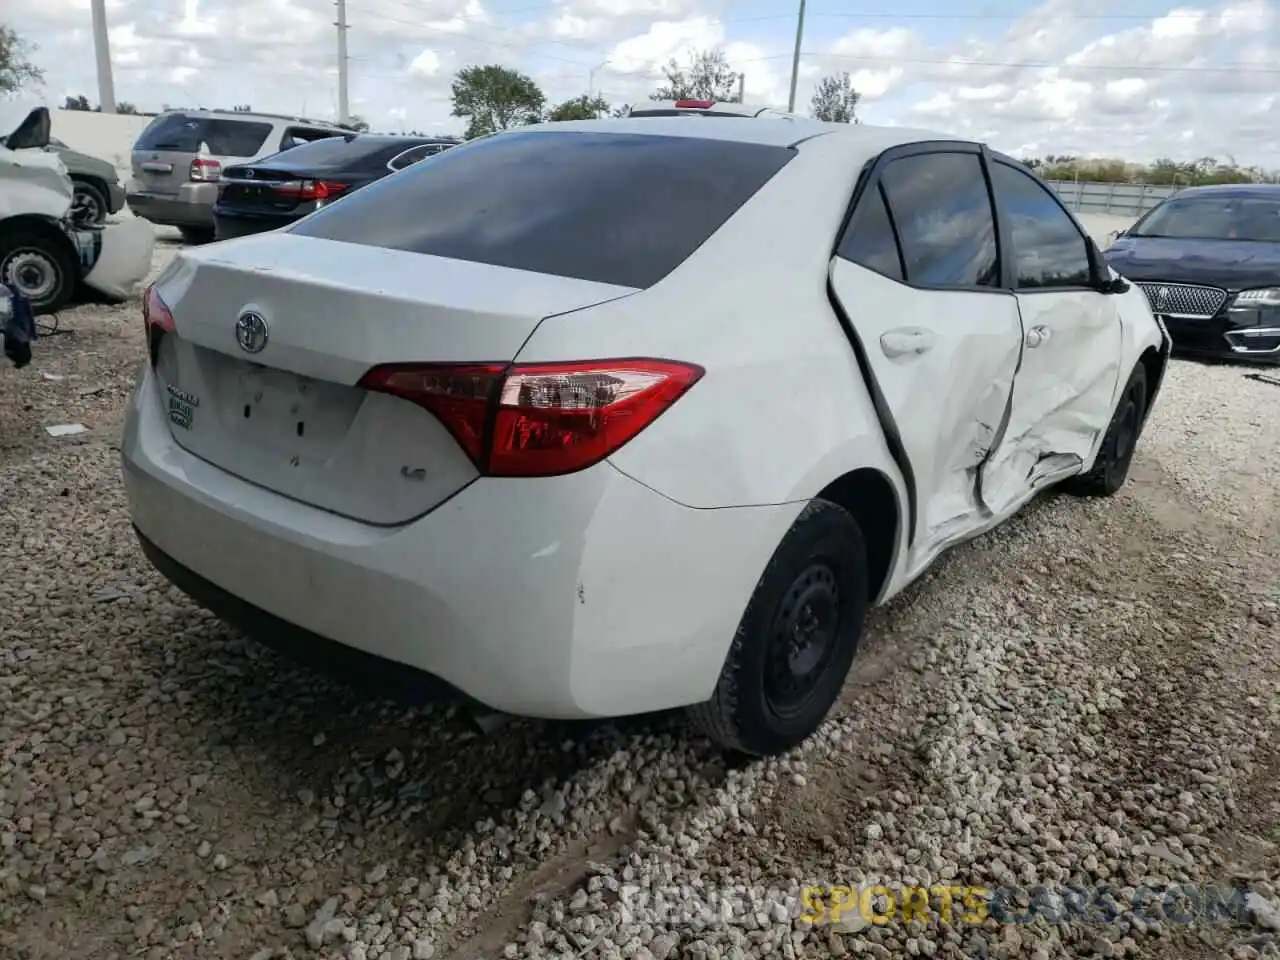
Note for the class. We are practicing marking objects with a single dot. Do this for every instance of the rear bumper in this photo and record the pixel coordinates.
(227, 226)
(191, 206)
(586, 595)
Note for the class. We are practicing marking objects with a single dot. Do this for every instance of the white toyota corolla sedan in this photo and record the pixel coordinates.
(599, 418)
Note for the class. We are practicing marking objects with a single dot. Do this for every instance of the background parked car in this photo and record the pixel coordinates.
(99, 192)
(280, 189)
(178, 160)
(1208, 260)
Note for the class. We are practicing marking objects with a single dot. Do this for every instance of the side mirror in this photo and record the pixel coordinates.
(32, 133)
(1103, 280)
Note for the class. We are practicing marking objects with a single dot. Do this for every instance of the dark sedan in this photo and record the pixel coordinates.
(1208, 260)
(286, 186)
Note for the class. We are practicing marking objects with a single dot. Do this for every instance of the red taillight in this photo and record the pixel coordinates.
(695, 104)
(311, 189)
(155, 312)
(539, 419)
(157, 320)
(204, 170)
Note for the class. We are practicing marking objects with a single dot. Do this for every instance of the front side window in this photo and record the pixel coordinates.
(616, 208)
(1049, 249)
(941, 207)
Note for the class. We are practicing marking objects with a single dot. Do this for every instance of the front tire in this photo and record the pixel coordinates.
(89, 205)
(1111, 468)
(197, 235)
(41, 265)
(797, 639)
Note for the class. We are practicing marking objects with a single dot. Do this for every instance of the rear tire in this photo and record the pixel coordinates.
(41, 264)
(1111, 468)
(196, 235)
(797, 639)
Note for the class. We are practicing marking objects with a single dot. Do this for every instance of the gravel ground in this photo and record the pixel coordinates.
(1086, 696)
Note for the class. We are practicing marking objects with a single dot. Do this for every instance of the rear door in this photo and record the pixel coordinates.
(917, 273)
(1063, 393)
(163, 152)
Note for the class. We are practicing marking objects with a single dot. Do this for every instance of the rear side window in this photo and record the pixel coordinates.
(1049, 250)
(185, 134)
(941, 207)
(619, 208)
(869, 241)
(414, 154)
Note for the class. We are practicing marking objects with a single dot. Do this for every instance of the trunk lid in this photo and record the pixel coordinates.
(266, 189)
(284, 412)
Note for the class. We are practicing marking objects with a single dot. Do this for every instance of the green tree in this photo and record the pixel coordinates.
(835, 100)
(494, 98)
(584, 107)
(15, 69)
(707, 77)
(356, 123)
(80, 102)
(124, 106)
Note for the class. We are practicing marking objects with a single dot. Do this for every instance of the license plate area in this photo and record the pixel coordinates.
(298, 418)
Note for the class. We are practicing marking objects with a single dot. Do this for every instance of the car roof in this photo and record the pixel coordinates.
(250, 116)
(1271, 190)
(770, 131)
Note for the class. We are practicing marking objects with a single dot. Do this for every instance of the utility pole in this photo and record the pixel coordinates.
(341, 24)
(795, 60)
(742, 88)
(102, 51)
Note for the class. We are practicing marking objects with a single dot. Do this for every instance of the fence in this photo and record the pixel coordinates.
(1117, 199)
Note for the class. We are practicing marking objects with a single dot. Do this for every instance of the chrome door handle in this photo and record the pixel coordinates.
(912, 341)
(1038, 335)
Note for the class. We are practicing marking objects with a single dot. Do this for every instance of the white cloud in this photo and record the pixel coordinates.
(1066, 76)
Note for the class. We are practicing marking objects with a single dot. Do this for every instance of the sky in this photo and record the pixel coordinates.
(1079, 77)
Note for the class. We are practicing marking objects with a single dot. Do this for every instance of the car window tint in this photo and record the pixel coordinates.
(942, 210)
(1049, 250)
(224, 138)
(619, 208)
(869, 240)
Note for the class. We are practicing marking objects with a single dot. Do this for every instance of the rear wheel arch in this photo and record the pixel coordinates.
(869, 497)
(1155, 363)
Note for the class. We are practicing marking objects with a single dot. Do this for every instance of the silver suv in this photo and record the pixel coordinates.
(178, 160)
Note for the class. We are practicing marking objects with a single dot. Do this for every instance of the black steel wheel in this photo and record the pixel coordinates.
(1115, 456)
(797, 639)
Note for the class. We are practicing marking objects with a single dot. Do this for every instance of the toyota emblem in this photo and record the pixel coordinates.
(251, 331)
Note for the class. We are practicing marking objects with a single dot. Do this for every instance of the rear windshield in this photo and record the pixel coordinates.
(336, 153)
(224, 138)
(1213, 218)
(619, 208)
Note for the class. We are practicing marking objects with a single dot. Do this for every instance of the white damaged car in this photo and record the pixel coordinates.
(607, 417)
(43, 256)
